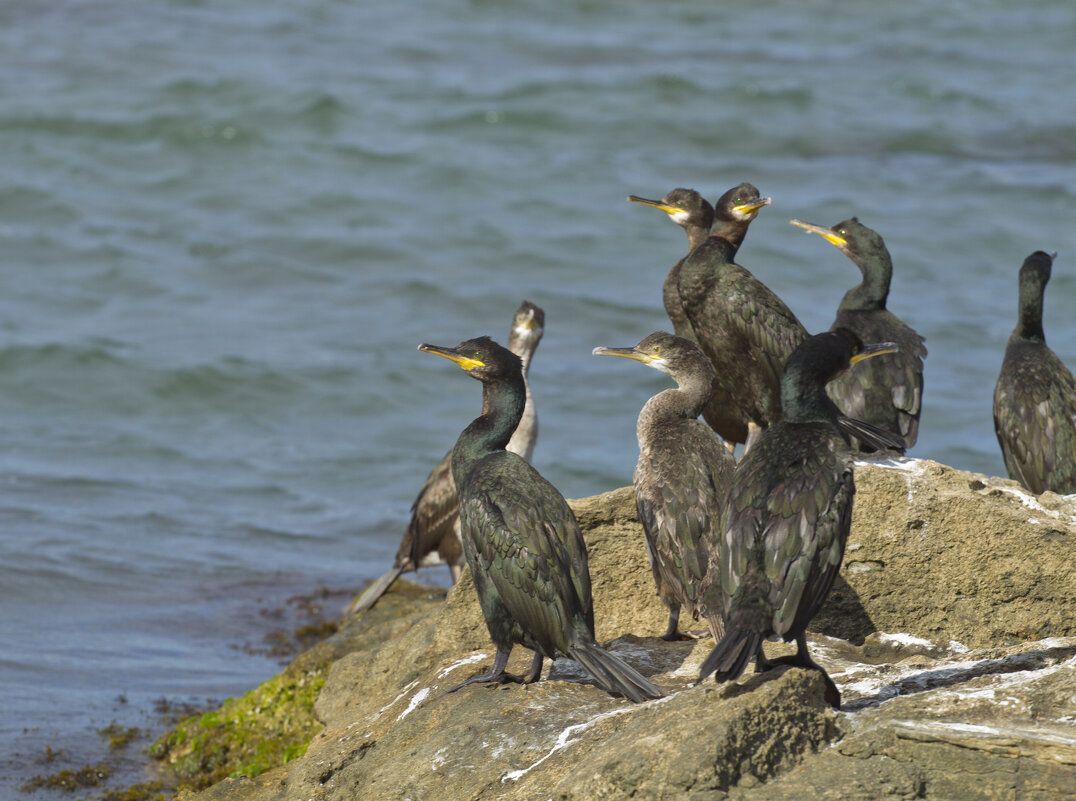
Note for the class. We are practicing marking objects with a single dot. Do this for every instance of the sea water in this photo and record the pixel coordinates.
(226, 227)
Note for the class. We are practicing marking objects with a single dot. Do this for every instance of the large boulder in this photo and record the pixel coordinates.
(971, 694)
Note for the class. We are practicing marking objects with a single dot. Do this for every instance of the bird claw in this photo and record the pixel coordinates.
(490, 678)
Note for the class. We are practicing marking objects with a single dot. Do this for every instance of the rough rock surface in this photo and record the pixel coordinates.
(975, 698)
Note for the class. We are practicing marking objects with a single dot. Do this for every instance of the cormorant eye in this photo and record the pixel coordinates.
(478, 356)
(656, 350)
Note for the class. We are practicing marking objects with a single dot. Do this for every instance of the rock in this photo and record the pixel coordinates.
(995, 561)
(991, 724)
(974, 697)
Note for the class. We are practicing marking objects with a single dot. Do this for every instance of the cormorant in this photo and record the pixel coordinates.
(742, 327)
(433, 533)
(887, 392)
(681, 478)
(692, 212)
(687, 208)
(521, 540)
(788, 514)
(1035, 397)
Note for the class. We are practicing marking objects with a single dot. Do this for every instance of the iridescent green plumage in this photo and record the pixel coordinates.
(522, 542)
(681, 478)
(1035, 395)
(788, 515)
(887, 392)
(432, 536)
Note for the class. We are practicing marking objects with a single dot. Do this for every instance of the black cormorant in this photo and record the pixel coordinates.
(521, 540)
(788, 515)
(886, 392)
(681, 478)
(433, 533)
(745, 330)
(1035, 397)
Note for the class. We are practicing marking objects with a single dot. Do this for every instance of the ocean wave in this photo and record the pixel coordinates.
(114, 379)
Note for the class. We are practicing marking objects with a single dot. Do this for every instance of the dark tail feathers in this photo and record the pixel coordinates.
(874, 437)
(614, 676)
(730, 656)
(374, 591)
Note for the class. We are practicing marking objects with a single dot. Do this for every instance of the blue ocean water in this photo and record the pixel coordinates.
(226, 227)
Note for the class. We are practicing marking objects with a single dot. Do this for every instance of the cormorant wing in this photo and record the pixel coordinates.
(796, 512)
(529, 545)
(867, 390)
(905, 369)
(682, 502)
(433, 515)
(763, 321)
(1035, 418)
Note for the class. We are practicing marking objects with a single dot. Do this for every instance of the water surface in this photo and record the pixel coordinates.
(226, 227)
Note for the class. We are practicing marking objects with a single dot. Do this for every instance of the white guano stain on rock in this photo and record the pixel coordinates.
(467, 660)
(416, 699)
(900, 638)
(1012, 739)
(393, 702)
(1030, 501)
(903, 680)
(564, 739)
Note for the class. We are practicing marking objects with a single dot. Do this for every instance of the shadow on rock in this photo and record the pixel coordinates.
(843, 614)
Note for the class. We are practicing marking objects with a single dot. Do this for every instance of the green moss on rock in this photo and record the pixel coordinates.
(275, 722)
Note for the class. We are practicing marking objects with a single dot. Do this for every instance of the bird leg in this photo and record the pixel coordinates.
(672, 631)
(455, 570)
(730, 445)
(762, 664)
(803, 659)
(498, 675)
(534, 672)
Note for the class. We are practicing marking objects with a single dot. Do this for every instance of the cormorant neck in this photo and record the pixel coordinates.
(804, 400)
(723, 245)
(503, 399)
(696, 235)
(686, 401)
(732, 231)
(872, 292)
(1029, 326)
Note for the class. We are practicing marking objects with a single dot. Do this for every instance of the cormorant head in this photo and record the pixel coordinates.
(825, 356)
(481, 358)
(850, 236)
(740, 204)
(685, 207)
(1036, 268)
(528, 324)
(668, 353)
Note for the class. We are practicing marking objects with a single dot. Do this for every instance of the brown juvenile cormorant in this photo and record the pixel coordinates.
(681, 478)
(886, 392)
(521, 540)
(788, 514)
(742, 327)
(1035, 397)
(433, 533)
